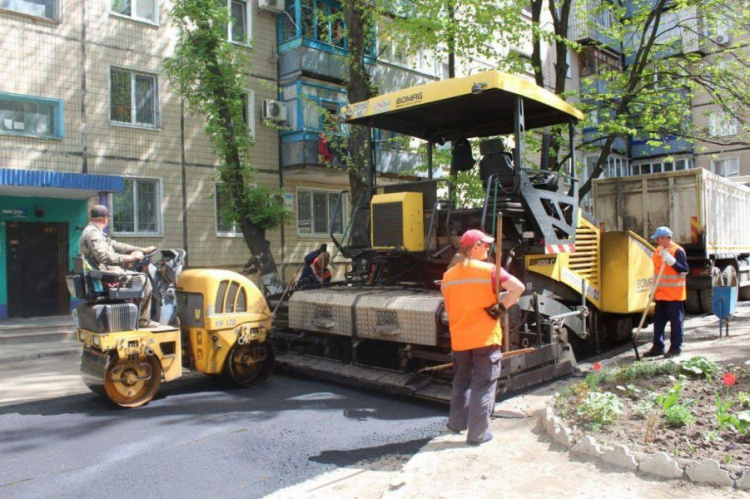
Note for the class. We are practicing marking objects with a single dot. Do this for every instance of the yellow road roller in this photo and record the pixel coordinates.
(210, 321)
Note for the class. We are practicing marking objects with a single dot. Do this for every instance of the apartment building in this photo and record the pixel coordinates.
(88, 115)
(313, 67)
(685, 31)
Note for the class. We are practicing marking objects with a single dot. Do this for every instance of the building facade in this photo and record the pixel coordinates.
(88, 115)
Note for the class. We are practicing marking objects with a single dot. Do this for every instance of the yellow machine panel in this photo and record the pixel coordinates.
(628, 271)
(219, 308)
(397, 221)
(574, 268)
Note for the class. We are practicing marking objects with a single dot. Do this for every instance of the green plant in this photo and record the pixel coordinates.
(671, 397)
(711, 437)
(744, 399)
(630, 390)
(646, 405)
(601, 408)
(702, 367)
(678, 416)
(740, 422)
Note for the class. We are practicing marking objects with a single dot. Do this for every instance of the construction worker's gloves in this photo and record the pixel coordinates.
(496, 311)
(667, 257)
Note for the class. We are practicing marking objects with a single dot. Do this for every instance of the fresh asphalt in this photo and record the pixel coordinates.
(203, 438)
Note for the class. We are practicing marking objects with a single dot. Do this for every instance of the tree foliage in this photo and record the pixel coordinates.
(211, 74)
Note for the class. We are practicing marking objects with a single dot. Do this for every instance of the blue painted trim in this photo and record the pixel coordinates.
(60, 180)
(3, 311)
(59, 117)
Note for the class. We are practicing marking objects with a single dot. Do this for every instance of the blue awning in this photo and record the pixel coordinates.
(56, 184)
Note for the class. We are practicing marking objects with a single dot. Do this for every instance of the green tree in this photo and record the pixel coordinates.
(211, 74)
(673, 56)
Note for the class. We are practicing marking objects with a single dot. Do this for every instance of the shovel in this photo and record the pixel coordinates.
(645, 310)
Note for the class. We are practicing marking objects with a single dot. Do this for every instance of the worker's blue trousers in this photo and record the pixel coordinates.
(674, 313)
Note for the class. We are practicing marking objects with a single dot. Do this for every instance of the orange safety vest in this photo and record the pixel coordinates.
(672, 286)
(467, 289)
(319, 272)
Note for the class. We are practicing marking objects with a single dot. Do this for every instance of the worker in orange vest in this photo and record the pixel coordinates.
(474, 321)
(320, 267)
(670, 295)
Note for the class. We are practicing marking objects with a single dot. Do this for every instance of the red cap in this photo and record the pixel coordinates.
(472, 236)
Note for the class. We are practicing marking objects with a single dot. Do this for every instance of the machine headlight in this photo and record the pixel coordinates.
(97, 341)
(444, 317)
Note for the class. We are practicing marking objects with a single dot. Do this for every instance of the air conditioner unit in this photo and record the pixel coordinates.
(275, 6)
(722, 38)
(274, 110)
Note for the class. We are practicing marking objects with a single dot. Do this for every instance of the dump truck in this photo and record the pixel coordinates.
(385, 326)
(709, 215)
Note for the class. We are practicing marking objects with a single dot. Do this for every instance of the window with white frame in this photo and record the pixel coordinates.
(240, 22)
(248, 111)
(617, 166)
(141, 10)
(729, 167)
(659, 166)
(722, 125)
(137, 209)
(31, 116)
(225, 226)
(48, 9)
(317, 210)
(133, 98)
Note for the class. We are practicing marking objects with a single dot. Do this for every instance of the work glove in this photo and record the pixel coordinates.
(667, 257)
(496, 311)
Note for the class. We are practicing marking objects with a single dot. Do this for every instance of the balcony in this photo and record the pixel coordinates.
(670, 145)
(589, 23)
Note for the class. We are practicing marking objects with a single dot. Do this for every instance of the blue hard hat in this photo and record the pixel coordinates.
(662, 231)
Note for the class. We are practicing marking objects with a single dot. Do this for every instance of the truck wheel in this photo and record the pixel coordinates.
(693, 303)
(132, 383)
(252, 364)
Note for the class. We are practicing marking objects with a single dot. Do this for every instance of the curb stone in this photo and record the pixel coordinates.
(744, 481)
(709, 471)
(659, 464)
(621, 457)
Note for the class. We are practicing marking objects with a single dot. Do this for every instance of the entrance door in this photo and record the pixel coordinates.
(37, 264)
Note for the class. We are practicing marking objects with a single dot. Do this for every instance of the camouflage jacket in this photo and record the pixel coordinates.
(99, 252)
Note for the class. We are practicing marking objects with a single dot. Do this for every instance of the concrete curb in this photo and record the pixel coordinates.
(660, 463)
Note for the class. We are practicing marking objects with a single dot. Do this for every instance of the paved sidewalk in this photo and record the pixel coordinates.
(521, 462)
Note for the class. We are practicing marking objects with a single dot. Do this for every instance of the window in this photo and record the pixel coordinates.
(616, 166)
(323, 22)
(239, 30)
(593, 61)
(141, 10)
(569, 74)
(248, 112)
(137, 209)
(659, 166)
(722, 125)
(31, 116)
(133, 98)
(225, 227)
(726, 167)
(48, 9)
(317, 210)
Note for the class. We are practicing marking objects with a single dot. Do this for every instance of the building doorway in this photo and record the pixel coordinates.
(37, 265)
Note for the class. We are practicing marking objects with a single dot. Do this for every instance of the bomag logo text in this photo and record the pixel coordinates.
(409, 99)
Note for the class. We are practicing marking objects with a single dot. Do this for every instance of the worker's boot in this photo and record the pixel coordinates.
(654, 352)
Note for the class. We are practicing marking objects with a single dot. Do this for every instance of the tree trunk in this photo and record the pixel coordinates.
(357, 15)
(234, 178)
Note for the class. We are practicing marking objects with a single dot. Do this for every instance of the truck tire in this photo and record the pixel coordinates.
(693, 303)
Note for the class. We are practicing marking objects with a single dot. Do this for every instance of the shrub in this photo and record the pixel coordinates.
(645, 406)
(601, 408)
(701, 366)
(678, 416)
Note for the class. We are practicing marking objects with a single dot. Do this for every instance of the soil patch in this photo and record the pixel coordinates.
(645, 385)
